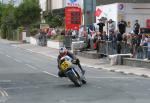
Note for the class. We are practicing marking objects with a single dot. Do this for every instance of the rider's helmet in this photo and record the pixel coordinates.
(62, 51)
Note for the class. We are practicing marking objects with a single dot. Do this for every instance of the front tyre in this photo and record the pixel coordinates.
(74, 79)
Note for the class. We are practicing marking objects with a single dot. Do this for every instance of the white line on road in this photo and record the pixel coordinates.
(6, 94)
(52, 56)
(8, 56)
(14, 46)
(5, 81)
(50, 74)
(22, 87)
(19, 61)
(31, 66)
(3, 95)
(30, 50)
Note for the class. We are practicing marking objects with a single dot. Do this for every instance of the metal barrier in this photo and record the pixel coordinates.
(67, 42)
(110, 48)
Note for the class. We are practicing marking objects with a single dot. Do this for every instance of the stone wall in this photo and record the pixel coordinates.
(136, 62)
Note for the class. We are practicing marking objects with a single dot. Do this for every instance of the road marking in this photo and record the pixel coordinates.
(52, 56)
(3, 95)
(32, 67)
(22, 87)
(6, 94)
(8, 56)
(14, 46)
(50, 74)
(5, 81)
(19, 61)
(30, 50)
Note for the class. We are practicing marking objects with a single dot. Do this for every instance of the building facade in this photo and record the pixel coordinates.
(15, 2)
(88, 8)
(104, 2)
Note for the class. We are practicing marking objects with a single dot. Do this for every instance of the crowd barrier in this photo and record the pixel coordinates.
(110, 48)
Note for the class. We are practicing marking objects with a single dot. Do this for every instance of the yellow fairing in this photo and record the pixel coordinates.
(65, 65)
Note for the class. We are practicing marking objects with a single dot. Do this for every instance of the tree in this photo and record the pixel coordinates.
(7, 20)
(53, 20)
(28, 13)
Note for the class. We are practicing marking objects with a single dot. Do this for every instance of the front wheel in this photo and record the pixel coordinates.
(74, 78)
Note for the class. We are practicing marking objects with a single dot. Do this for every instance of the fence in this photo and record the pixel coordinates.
(110, 48)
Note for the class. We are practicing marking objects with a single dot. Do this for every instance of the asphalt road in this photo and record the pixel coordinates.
(27, 77)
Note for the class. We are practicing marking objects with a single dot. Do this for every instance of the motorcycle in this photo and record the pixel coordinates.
(71, 71)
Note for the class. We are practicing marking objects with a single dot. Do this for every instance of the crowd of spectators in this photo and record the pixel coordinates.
(118, 39)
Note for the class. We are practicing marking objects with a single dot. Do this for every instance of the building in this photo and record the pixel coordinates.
(57, 7)
(125, 11)
(15, 2)
(104, 2)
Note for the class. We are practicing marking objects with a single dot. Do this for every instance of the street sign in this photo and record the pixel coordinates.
(72, 18)
(73, 3)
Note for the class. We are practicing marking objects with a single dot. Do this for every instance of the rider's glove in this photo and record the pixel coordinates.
(74, 61)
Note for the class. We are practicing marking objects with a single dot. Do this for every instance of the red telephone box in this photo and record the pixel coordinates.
(72, 18)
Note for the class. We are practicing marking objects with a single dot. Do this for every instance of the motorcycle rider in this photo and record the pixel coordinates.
(63, 52)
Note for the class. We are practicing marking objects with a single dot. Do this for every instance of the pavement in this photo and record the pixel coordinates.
(92, 63)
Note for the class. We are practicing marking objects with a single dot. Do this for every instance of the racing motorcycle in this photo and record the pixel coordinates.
(72, 71)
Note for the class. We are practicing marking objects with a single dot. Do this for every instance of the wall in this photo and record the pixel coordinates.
(104, 2)
(137, 11)
(57, 4)
(127, 11)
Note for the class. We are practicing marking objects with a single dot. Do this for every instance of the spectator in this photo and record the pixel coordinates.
(144, 40)
(49, 33)
(122, 26)
(53, 32)
(96, 40)
(113, 39)
(101, 24)
(91, 31)
(105, 36)
(119, 41)
(111, 26)
(142, 50)
(63, 32)
(136, 27)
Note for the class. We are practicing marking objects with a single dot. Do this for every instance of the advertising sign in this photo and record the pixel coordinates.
(73, 18)
(74, 3)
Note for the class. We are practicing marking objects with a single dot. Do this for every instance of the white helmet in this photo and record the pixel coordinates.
(62, 50)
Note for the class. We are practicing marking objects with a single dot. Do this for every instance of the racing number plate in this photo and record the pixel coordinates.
(65, 65)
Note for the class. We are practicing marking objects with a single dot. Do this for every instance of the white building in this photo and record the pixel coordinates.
(126, 11)
(56, 4)
(15, 2)
(43, 4)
